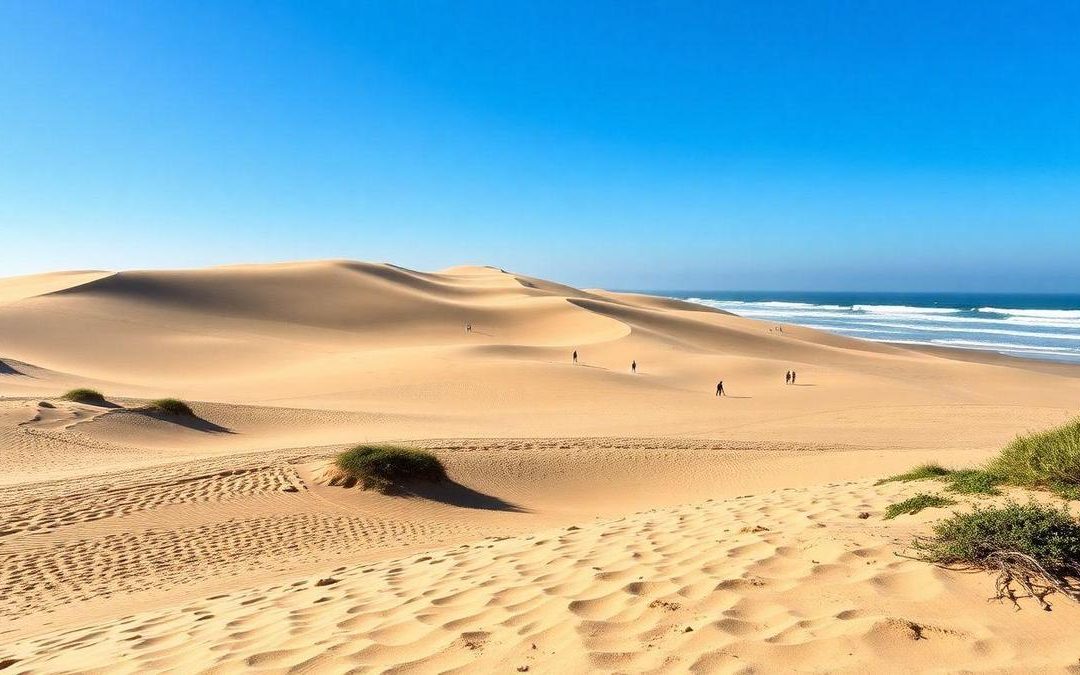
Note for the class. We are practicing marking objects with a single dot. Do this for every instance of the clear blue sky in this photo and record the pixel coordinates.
(785, 145)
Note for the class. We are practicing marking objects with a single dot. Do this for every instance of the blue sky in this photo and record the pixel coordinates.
(781, 145)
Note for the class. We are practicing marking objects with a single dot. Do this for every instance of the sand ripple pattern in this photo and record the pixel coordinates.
(788, 579)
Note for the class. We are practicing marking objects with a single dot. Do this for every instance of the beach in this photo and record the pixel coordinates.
(594, 518)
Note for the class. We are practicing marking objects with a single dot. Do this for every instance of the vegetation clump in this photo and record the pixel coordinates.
(1032, 546)
(385, 468)
(1047, 460)
(88, 396)
(973, 482)
(921, 472)
(169, 406)
(915, 504)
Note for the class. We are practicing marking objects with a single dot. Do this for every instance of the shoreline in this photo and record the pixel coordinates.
(988, 357)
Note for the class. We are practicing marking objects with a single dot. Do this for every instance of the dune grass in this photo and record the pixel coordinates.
(386, 468)
(1047, 460)
(1032, 546)
(921, 472)
(973, 482)
(82, 395)
(169, 406)
(915, 504)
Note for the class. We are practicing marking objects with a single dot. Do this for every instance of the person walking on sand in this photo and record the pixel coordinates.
(793, 377)
(633, 366)
(787, 377)
(575, 357)
(720, 388)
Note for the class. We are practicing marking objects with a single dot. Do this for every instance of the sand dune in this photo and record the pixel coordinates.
(592, 512)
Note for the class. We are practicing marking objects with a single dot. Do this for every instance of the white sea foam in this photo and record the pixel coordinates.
(879, 327)
(796, 311)
(903, 309)
(980, 344)
(1046, 333)
(1035, 313)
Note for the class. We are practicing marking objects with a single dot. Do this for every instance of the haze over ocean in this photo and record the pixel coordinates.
(1041, 326)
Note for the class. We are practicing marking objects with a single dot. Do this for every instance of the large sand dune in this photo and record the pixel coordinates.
(593, 515)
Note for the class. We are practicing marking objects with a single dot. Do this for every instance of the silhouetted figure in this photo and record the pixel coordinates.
(793, 377)
(787, 377)
(720, 388)
(575, 357)
(633, 366)
(468, 328)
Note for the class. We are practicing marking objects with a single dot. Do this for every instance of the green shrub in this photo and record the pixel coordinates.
(915, 504)
(921, 472)
(973, 481)
(88, 396)
(1071, 492)
(1047, 459)
(386, 467)
(1034, 546)
(169, 406)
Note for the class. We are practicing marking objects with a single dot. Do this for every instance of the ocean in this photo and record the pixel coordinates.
(1038, 326)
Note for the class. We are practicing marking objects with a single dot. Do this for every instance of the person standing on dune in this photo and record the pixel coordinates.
(575, 357)
(720, 388)
(793, 377)
(633, 366)
(787, 377)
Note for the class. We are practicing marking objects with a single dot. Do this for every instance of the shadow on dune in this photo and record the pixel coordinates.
(585, 365)
(455, 494)
(193, 423)
(8, 369)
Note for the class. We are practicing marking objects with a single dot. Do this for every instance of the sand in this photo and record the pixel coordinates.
(596, 519)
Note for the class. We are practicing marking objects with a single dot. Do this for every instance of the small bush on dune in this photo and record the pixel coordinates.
(915, 504)
(921, 472)
(386, 467)
(1033, 546)
(169, 406)
(1048, 459)
(89, 396)
(1070, 492)
(973, 482)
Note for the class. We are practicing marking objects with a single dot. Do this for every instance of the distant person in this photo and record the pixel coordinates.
(633, 366)
(575, 357)
(787, 377)
(720, 388)
(793, 377)
(468, 328)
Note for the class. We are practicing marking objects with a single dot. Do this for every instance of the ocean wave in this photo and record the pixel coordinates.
(766, 305)
(980, 344)
(1035, 313)
(1022, 350)
(1033, 333)
(909, 328)
(933, 315)
(903, 309)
